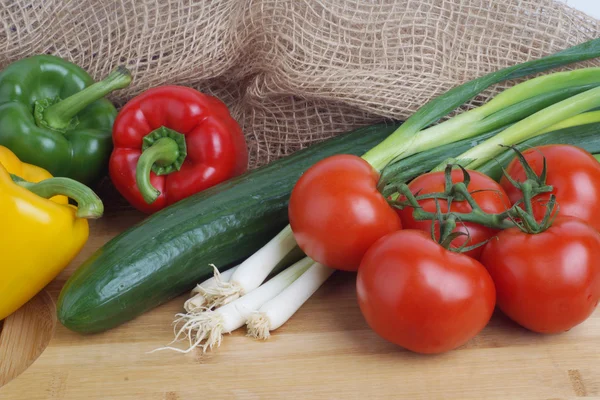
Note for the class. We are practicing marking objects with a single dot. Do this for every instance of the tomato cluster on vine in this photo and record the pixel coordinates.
(435, 260)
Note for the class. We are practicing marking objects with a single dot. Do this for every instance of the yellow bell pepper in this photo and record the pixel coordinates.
(41, 233)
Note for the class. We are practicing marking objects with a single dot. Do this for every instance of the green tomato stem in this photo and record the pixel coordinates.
(515, 216)
(496, 221)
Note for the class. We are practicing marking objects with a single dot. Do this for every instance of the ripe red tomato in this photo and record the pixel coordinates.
(336, 212)
(547, 282)
(574, 174)
(492, 199)
(417, 294)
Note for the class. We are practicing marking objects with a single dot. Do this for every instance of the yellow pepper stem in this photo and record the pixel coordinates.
(89, 204)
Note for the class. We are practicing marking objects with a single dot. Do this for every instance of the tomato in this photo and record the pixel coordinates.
(492, 199)
(336, 212)
(547, 282)
(574, 175)
(414, 293)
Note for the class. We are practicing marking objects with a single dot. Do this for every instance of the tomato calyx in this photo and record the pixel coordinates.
(531, 187)
(527, 223)
(534, 184)
(448, 232)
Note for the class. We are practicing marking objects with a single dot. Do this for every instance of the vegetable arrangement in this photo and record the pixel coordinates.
(340, 211)
(442, 221)
(54, 120)
(172, 250)
(542, 268)
(411, 137)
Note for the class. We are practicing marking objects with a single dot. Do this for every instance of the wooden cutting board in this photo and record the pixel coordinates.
(325, 352)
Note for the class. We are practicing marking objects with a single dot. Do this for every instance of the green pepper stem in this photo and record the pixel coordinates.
(89, 204)
(58, 115)
(164, 151)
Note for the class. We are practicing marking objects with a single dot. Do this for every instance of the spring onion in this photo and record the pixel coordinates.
(253, 271)
(401, 141)
(280, 308)
(505, 108)
(198, 301)
(580, 119)
(581, 131)
(584, 136)
(205, 328)
(529, 127)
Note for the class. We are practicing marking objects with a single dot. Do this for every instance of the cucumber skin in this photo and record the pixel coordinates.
(170, 251)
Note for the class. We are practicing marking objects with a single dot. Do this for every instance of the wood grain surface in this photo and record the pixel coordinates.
(325, 352)
(25, 335)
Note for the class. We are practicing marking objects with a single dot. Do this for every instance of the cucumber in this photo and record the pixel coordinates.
(172, 250)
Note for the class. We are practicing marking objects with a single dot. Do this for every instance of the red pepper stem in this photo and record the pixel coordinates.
(163, 152)
(89, 204)
(59, 115)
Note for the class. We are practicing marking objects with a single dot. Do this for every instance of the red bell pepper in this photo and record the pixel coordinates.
(171, 142)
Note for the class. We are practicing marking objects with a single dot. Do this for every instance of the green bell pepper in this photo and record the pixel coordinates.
(53, 115)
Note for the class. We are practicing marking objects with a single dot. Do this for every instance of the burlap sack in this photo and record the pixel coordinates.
(295, 71)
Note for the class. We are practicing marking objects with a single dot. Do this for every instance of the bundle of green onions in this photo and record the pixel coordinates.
(554, 108)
